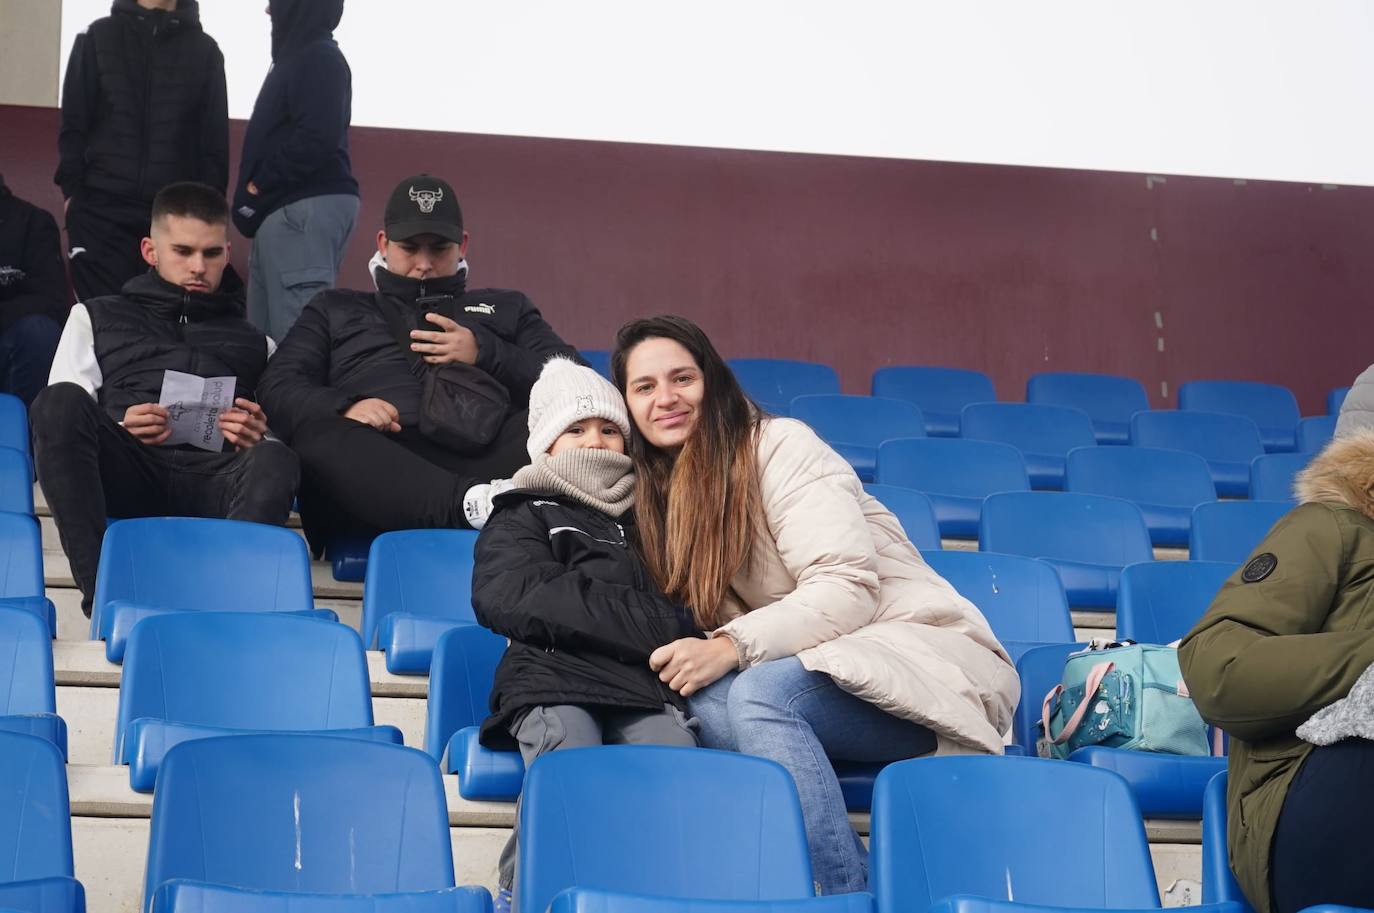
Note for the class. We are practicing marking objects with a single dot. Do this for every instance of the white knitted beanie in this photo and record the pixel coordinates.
(565, 393)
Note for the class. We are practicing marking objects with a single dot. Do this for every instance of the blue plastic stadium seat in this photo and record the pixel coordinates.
(964, 903)
(14, 424)
(1043, 434)
(774, 382)
(197, 675)
(1160, 601)
(955, 474)
(599, 360)
(21, 555)
(1315, 433)
(856, 425)
(580, 900)
(1087, 539)
(1271, 475)
(1270, 406)
(1164, 785)
(1219, 883)
(460, 678)
(16, 481)
(121, 617)
(1020, 597)
(1229, 530)
(347, 557)
(1165, 484)
(586, 812)
(1109, 400)
(1335, 399)
(35, 829)
(941, 393)
(190, 563)
(913, 510)
(1040, 669)
(419, 585)
(193, 897)
(28, 697)
(299, 814)
(1227, 442)
(931, 836)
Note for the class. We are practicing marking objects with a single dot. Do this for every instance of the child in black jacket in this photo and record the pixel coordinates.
(557, 573)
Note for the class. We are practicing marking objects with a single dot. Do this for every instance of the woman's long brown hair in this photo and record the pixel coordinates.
(699, 513)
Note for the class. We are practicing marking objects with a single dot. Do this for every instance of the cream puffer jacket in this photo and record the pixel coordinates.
(838, 585)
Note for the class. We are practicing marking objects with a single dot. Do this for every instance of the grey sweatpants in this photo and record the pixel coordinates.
(297, 252)
(545, 729)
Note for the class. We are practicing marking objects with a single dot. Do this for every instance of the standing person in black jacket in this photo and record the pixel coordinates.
(556, 573)
(143, 106)
(99, 434)
(346, 388)
(33, 294)
(296, 196)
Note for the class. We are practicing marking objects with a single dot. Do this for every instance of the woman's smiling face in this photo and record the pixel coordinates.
(664, 391)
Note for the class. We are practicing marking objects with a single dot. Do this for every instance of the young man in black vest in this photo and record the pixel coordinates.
(98, 430)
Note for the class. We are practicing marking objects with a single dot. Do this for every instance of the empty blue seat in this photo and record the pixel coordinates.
(1020, 597)
(299, 814)
(197, 675)
(580, 900)
(193, 897)
(419, 584)
(955, 474)
(347, 557)
(1165, 484)
(1271, 475)
(941, 393)
(156, 565)
(14, 424)
(964, 903)
(586, 812)
(913, 510)
(1109, 400)
(1164, 785)
(856, 425)
(1218, 881)
(931, 834)
(599, 360)
(1227, 442)
(1316, 432)
(1087, 539)
(16, 481)
(35, 829)
(1043, 434)
(1229, 530)
(1270, 406)
(1160, 601)
(28, 696)
(1335, 399)
(774, 382)
(21, 567)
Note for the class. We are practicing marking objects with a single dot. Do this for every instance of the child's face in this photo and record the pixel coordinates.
(593, 433)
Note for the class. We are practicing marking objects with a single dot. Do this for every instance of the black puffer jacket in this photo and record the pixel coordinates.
(342, 349)
(30, 244)
(143, 105)
(565, 584)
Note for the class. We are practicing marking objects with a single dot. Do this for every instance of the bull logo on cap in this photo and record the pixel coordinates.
(426, 199)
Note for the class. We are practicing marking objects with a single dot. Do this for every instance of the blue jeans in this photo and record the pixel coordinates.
(780, 711)
(26, 351)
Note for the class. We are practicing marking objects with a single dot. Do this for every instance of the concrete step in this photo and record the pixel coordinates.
(57, 573)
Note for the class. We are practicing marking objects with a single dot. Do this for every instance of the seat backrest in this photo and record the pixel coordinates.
(952, 466)
(1219, 883)
(1160, 601)
(864, 420)
(300, 813)
(35, 816)
(913, 510)
(460, 679)
(599, 359)
(1271, 475)
(585, 813)
(1316, 432)
(207, 565)
(241, 670)
(1211, 435)
(1028, 427)
(1105, 397)
(194, 897)
(14, 423)
(931, 836)
(1335, 399)
(1093, 529)
(1229, 530)
(1143, 475)
(1040, 669)
(775, 382)
(16, 481)
(425, 571)
(21, 555)
(943, 390)
(1270, 406)
(1021, 598)
(26, 669)
(580, 900)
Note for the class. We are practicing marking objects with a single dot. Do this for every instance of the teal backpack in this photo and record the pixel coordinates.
(1128, 696)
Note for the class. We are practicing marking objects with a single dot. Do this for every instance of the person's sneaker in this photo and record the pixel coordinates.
(501, 903)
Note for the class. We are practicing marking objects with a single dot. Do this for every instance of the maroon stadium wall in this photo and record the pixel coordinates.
(862, 262)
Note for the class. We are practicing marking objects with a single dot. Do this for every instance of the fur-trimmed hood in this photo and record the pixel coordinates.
(1341, 475)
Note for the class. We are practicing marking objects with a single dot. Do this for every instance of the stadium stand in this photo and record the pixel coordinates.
(1271, 475)
(1227, 442)
(1165, 484)
(1315, 433)
(1043, 434)
(28, 694)
(1021, 598)
(1229, 530)
(913, 510)
(1109, 401)
(774, 382)
(1272, 407)
(956, 475)
(35, 829)
(419, 584)
(855, 426)
(941, 393)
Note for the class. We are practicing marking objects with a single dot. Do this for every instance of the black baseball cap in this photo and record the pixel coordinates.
(423, 205)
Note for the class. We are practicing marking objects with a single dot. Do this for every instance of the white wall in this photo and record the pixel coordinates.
(1238, 88)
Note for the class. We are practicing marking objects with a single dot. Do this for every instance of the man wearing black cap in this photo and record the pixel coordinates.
(405, 402)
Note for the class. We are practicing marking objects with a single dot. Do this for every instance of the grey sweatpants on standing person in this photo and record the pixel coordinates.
(545, 729)
(297, 252)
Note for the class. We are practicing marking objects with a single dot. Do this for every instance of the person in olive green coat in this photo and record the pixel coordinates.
(1288, 634)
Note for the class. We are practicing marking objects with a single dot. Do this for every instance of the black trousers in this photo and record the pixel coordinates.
(91, 468)
(361, 481)
(103, 238)
(1324, 842)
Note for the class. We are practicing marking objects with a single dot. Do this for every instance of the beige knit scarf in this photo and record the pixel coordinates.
(601, 479)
